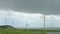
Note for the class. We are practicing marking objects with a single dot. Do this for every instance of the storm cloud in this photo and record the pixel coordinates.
(32, 6)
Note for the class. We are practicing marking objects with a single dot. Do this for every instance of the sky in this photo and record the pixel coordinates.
(19, 19)
(32, 6)
(19, 12)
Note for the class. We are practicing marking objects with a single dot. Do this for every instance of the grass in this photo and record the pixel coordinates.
(24, 31)
(11, 30)
(7, 31)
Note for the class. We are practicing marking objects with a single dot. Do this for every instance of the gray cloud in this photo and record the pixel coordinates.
(32, 6)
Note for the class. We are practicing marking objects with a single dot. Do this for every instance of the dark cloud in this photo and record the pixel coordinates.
(32, 6)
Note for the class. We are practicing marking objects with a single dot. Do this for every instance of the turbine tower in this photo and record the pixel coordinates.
(6, 19)
(44, 16)
(44, 20)
(26, 24)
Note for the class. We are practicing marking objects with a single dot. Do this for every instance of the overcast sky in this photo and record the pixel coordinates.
(33, 6)
(31, 11)
(19, 19)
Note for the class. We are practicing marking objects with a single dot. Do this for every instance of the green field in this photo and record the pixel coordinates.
(24, 31)
(11, 30)
(8, 31)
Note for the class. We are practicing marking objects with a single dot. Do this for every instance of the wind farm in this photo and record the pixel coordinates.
(9, 29)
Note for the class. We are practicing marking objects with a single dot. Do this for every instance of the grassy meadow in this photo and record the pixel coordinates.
(8, 31)
(24, 31)
(11, 30)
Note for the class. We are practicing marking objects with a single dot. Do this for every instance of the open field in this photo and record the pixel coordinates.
(20, 32)
(24, 31)
(11, 30)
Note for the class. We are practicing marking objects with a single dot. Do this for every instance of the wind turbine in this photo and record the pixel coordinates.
(44, 20)
(27, 20)
(6, 19)
(26, 23)
(44, 16)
